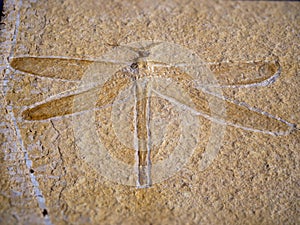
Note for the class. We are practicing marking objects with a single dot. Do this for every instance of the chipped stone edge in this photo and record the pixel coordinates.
(9, 32)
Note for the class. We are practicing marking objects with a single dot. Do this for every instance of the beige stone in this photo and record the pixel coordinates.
(155, 112)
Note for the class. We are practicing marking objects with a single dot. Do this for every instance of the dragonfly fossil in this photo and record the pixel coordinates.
(229, 75)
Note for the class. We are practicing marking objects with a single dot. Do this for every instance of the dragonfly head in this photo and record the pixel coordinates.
(138, 64)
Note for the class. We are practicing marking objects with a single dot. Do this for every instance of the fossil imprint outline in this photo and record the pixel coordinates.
(135, 56)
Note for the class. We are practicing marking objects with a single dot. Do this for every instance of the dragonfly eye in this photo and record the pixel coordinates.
(134, 66)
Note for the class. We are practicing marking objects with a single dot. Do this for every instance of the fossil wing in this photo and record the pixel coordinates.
(59, 68)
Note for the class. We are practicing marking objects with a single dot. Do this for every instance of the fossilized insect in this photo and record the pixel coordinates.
(96, 77)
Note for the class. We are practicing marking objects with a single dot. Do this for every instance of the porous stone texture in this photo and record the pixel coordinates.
(252, 48)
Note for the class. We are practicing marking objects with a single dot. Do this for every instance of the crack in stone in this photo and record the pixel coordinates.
(38, 193)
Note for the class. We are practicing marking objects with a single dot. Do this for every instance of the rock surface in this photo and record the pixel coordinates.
(155, 112)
